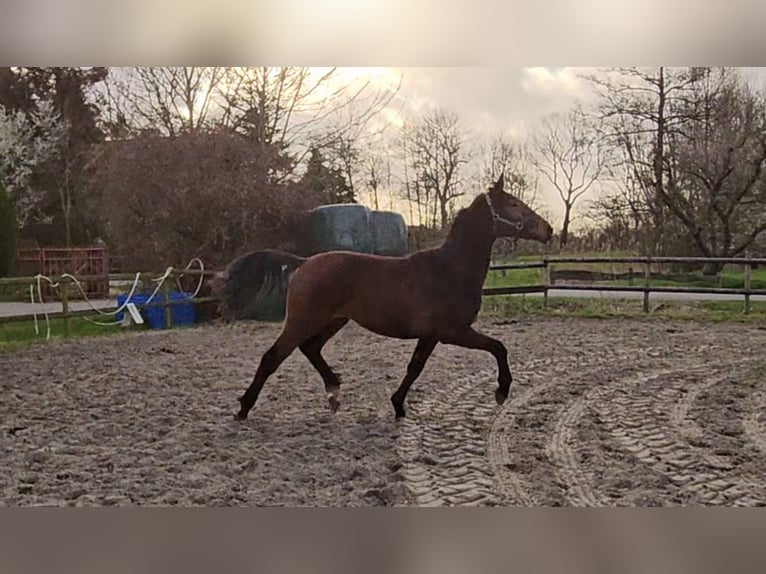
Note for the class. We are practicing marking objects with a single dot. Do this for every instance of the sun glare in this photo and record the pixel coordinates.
(353, 79)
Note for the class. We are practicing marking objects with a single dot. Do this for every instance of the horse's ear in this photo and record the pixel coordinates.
(499, 184)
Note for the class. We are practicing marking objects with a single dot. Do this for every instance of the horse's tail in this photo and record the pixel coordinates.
(253, 275)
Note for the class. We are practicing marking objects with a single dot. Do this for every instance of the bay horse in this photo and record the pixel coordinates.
(433, 295)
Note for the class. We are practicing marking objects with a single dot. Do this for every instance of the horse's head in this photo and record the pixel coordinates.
(511, 217)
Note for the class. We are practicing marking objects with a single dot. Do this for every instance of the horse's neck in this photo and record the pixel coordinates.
(469, 247)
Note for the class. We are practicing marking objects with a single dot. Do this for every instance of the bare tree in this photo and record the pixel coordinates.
(300, 108)
(569, 153)
(165, 100)
(344, 155)
(436, 151)
(374, 170)
(502, 156)
(410, 186)
(295, 109)
(621, 211)
(376, 175)
(693, 142)
(638, 110)
(715, 168)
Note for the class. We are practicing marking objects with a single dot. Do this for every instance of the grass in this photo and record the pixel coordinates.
(728, 278)
(19, 333)
(608, 308)
(513, 277)
(736, 279)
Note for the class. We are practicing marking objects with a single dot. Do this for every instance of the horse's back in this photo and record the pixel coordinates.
(346, 271)
(392, 296)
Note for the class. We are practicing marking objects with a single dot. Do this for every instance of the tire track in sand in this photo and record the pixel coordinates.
(639, 415)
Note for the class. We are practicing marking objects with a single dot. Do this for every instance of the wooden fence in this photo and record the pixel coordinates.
(66, 287)
(548, 282)
(548, 277)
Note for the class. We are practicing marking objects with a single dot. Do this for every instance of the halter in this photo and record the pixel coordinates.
(519, 225)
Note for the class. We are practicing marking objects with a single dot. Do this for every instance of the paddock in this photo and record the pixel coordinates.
(601, 413)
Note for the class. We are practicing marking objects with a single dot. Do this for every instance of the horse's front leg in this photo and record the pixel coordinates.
(471, 339)
(422, 351)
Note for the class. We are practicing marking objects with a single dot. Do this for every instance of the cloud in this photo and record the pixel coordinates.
(493, 99)
(556, 83)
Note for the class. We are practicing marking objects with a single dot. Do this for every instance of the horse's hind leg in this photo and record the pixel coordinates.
(313, 351)
(422, 351)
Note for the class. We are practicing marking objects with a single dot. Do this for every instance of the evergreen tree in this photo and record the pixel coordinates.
(328, 181)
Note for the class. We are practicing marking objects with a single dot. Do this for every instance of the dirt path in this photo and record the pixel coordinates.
(601, 413)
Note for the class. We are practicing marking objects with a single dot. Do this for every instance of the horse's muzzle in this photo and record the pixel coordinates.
(544, 232)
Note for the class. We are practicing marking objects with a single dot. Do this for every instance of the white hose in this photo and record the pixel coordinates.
(38, 279)
(120, 308)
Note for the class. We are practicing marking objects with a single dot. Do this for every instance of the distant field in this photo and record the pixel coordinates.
(730, 278)
(612, 308)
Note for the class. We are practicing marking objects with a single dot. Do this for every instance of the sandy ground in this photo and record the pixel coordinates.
(601, 413)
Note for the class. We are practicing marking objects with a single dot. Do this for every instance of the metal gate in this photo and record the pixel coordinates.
(89, 264)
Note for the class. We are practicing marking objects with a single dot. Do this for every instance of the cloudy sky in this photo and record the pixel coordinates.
(494, 98)
(489, 100)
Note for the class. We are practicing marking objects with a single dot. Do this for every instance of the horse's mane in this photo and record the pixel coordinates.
(464, 226)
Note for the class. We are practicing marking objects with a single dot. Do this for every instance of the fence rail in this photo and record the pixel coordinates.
(546, 284)
(647, 259)
(66, 286)
(548, 277)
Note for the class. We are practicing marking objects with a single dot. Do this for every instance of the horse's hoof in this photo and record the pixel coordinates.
(398, 407)
(500, 396)
(333, 399)
(240, 416)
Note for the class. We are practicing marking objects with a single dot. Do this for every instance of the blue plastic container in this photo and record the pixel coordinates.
(181, 314)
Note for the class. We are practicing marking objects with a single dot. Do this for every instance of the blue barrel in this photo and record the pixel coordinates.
(181, 314)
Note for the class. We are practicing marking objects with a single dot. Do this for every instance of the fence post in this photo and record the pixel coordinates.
(64, 289)
(546, 280)
(166, 304)
(748, 275)
(647, 279)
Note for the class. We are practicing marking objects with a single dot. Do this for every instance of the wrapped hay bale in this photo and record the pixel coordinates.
(389, 233)
(340, 227)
